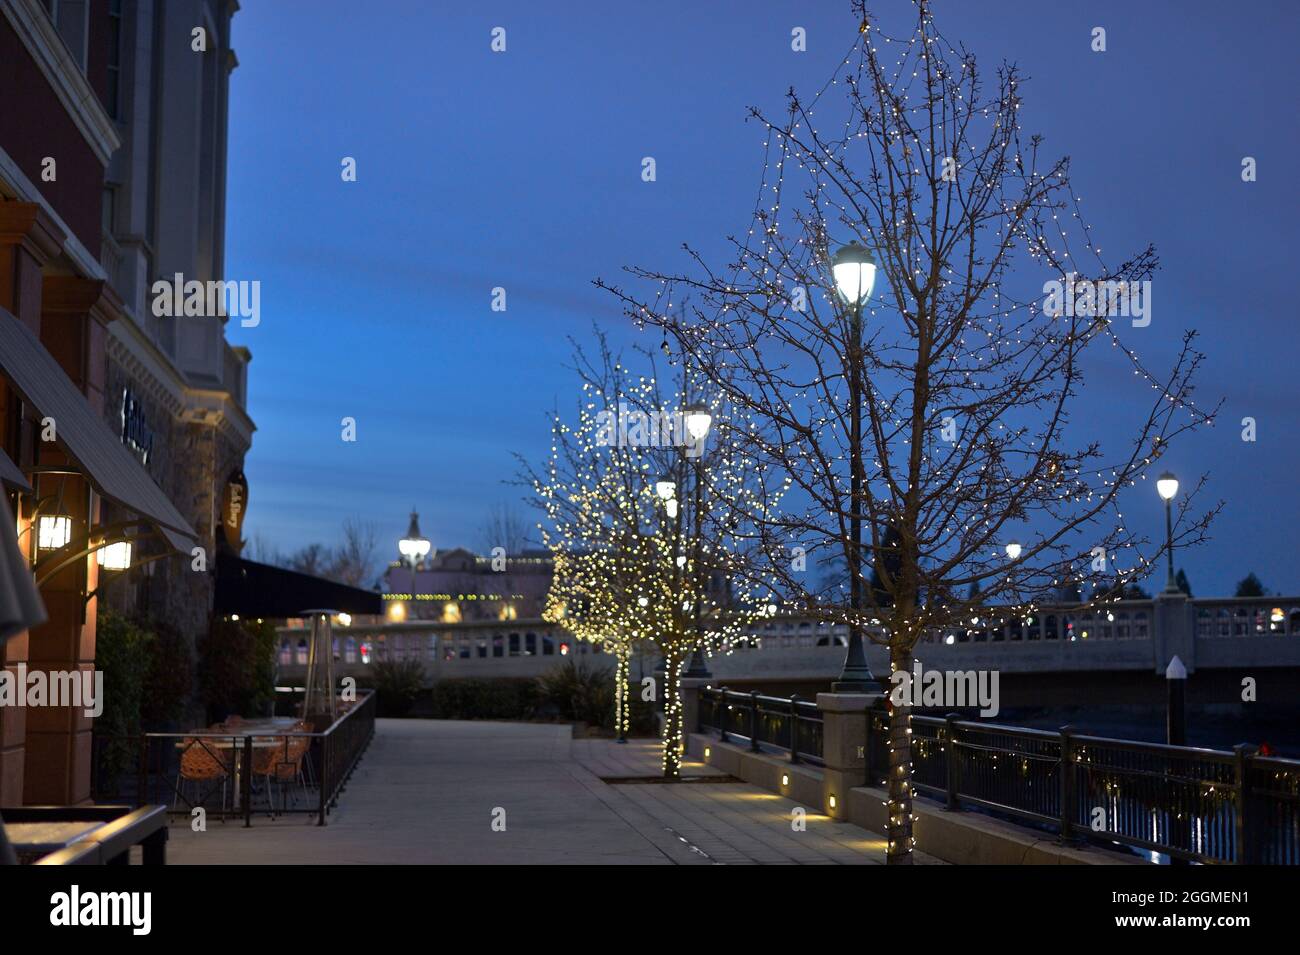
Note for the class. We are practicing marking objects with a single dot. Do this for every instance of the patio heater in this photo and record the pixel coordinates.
(319, 705)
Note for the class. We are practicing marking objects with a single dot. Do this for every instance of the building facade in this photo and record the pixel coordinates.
(129, 426)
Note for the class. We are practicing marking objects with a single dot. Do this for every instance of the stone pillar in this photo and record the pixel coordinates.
(1173, 631)
(29, 238)
(844, 742)
(691, 687)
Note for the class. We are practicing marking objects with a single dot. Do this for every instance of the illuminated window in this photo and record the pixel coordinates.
(397, 611)
(451, 612)
(508, 612)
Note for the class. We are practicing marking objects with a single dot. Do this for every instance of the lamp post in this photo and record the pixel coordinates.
(414, 546)
(854, 271)
(698, 422)
(1167, 488)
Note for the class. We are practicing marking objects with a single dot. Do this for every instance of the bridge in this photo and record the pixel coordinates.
(1131, 637)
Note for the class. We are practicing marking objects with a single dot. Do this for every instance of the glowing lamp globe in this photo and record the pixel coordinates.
(855, 273)
(414, 547)
(1013, 550)
(698, 420)
(1167, 486)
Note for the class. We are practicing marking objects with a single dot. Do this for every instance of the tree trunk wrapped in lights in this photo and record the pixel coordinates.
(631, 565)
(937, 416)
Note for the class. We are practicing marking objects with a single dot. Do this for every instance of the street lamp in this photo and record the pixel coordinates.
(1013, 550)
(1167, 488)
(854, 271)
(666, 488)
(698, 420)
(414, 546)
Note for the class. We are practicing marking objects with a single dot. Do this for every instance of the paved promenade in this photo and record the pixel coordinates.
(427, 792)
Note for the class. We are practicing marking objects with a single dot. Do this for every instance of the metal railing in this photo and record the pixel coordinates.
(1187, 803)
(764, 722)
(111, 842)
(1192, 804)
(234, 775)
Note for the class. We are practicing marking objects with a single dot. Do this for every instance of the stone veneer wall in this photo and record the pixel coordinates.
(190, 461)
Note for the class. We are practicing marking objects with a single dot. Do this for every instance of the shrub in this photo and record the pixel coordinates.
(237, 667)
(122, 652)
(398, 685)
(474, 699)
(170, 678)
(579, 692)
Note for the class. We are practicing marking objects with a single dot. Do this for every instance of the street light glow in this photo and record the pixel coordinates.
(1013, 550)
(698, 420)
(666, 488)
(414, 546)
(855, 273)
(1167, 486)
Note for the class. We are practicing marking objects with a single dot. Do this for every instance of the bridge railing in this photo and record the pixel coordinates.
(1202, 805)
(1188, 803)
(765, 723)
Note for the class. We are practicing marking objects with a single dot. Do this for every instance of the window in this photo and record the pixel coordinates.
(108, 209)
(71, 21)
(113, 97)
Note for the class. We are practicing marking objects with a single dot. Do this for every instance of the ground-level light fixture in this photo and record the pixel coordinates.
(1013, 550)
(114, 556)
(855, 273)
(698, 420)
(830, 801)
(785, 779)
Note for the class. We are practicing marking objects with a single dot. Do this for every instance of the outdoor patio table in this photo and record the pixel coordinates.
(232, 738)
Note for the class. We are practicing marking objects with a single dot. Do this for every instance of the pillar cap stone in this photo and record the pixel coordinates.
(846, 702)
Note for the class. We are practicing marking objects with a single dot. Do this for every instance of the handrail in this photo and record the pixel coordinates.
(1185, 802)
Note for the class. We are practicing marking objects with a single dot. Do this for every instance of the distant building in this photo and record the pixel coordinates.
(458, 586)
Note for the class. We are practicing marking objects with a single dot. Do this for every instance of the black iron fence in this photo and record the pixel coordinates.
(1191, 804)
(764, 722)
(1187, 803)
(234, 774)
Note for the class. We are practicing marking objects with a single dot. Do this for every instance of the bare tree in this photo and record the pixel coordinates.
(353, 561)
(925, 432)
(505, 528)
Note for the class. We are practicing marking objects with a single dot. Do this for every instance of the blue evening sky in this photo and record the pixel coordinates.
(522, 170)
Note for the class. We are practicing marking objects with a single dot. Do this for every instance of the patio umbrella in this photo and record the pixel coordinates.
(20, 609)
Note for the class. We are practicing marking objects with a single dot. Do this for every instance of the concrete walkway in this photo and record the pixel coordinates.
(427, 792)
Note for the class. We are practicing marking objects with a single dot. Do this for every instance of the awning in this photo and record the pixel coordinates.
(251, 589)
(11, 477)
(106, 463)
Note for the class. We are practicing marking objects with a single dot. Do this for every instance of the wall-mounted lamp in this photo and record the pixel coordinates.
(115, 556)
(53, 531)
